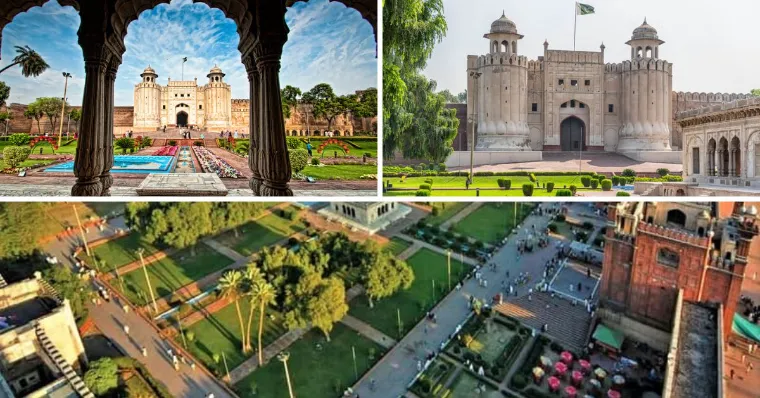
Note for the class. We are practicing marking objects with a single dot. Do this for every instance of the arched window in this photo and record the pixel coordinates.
(649, 52)
(514, 47)
(505, 46)
(676, 218)
(495, 47)
(200, 106)
(668, 257)
(638, 52)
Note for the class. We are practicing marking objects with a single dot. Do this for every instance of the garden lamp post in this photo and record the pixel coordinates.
(147, 279)
(283, 357)
(66, 76)
(476, 76)
(84, 237)
(448, 266)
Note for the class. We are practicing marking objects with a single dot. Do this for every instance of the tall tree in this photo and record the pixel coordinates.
(462, 97)
(76, 116)
(263, 294)
(6, 117)
(30, 61)
(33, 111)
(384, 275)
(367, 104)
(755, 92)
(327, 305)
(448, 97)
(50, 107)
(21, 227)
(325, 104)
(71, 287)
(102, 378)
(411, 29)
(289, 96)
(5, 93)
(231, 286)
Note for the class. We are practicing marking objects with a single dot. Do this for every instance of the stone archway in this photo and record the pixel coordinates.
(572, 134)
(181, 119)
(263, 32)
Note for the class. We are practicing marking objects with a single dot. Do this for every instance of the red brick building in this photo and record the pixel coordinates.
(654, 249)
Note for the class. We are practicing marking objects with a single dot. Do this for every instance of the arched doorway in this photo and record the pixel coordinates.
(181, 119)
(572, 134)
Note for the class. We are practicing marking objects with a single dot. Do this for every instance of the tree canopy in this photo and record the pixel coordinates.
(102, 376)
(325, 103)
(289, 96)
(755, 92)
(30, 61)
(21, 228)
(5, 93)
(416, 122)
(70, 286)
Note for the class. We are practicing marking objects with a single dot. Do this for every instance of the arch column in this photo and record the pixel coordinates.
(273, 161)
(88, 162)
(253, 123)
(106, 179)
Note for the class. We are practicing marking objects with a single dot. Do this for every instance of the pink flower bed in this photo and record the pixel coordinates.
(214, 164)
(166, 151)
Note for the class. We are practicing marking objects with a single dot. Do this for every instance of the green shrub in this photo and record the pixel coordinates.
(549, 187)
(600, 177)
(102, 377)
(169, 143)
(190, 335)
(15, 155)
(504, 183)
(663, 172)
(507, 184)
(606, 185)
(435, 212)
(628, 173)
(587, 225)
(573, 189)
(146, 142)
(527, 189)
(519, 381)
(299, 158)
(429, 181)
(422, 192)
(586, 181)
(564, 192)
(198, 143)
(594, 183)
(553, 227)
(561, 217)
(615, 180)
(19, 139)
(426, 385)
(422, 166)
(315, 161)
(441, 166)
(126, 143)
(621, 193)
(293, 142)
(425, 187)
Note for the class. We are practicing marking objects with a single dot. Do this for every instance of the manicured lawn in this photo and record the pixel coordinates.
(491, 222)
(446, 210)
(47, 149)
(220, 333)
(560, 182)
(122, 251)
(318, 369)
(417, 300)
(171, 273)
(339, 171)
(262, 232)
(397, 245)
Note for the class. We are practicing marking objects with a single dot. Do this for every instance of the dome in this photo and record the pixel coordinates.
(644, 32)
(503, 25)
(149, 70)
(215, 69)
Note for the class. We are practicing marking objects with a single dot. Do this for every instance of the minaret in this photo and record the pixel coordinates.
(501, 79)
(218, 100)
(147, 100)
(647, 87)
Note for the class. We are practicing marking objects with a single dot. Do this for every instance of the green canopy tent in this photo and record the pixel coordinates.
(609, 339)
(744, 327)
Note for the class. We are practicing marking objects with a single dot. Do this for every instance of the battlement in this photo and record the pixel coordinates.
(240, 101)
(501, 59)
(674, 234)
(182, 83)
(535, 66)
(750, 102)
(641, 64)
(588, 57)
(708, 97)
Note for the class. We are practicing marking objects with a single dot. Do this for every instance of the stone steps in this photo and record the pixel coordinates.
(68, 372)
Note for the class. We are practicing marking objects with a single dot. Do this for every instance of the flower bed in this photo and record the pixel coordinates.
(166, 151)
(214, 164)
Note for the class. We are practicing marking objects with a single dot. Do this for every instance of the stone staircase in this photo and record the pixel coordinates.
(567, 323)
(68, 372)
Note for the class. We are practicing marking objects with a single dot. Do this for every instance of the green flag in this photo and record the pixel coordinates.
(583, 9)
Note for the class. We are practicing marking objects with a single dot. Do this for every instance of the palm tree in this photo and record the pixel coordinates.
(264, 293)
(251, 276)
(31, 62)
(231, 284)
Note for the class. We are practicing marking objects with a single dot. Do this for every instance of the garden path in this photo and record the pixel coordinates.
(110, 318)
(467, 260)
(409, 251)
(368, 331)
(399, 366)
(461, 215)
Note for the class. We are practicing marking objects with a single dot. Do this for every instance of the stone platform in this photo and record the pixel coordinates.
(462, 158)
(182, 184)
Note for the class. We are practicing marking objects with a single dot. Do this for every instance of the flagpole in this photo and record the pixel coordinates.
(575, 25)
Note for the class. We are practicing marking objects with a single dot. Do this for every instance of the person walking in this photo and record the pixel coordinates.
(126, 329)
(144, 351)
(308, 148)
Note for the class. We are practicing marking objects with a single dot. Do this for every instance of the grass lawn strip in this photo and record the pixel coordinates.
(491, 222)
(415, 301)
(465, 384)
(265, 231)
(318, 369)
(397, 245)
(171, 273)
(220, 333)
(122, 251)
(339, 171)
(486, 181)
(446, 210)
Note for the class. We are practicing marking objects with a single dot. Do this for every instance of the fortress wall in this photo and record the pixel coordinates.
(686, 101)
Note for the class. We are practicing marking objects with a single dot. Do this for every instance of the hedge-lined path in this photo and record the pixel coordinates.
(461, 215)
(399, 366)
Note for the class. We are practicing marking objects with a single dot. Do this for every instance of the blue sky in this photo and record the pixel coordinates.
(328, 43)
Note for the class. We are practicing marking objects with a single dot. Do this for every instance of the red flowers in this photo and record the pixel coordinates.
(166, 151)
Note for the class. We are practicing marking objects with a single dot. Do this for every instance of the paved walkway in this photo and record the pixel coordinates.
(461, 214)
(220, 248)
(110, 319)
(605, 162)
(31, 188)
(399, 366)
(368, 331)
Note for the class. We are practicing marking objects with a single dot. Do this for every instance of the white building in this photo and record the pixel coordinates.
(366, 216)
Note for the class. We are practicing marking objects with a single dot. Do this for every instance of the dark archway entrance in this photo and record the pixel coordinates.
(181, 119)
(572, 134)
